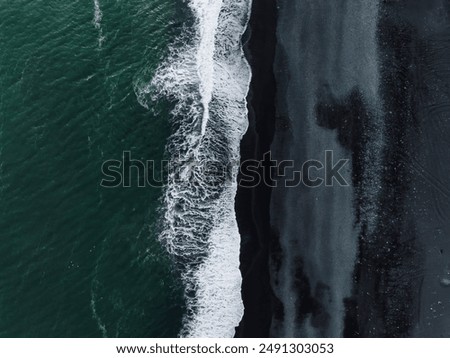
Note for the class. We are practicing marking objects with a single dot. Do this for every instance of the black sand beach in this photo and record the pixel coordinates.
(252, 204)
(370, 83)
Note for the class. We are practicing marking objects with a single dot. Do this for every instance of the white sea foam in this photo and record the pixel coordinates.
(97, 15)
(97, 21)
(207, 77)
(101, 326)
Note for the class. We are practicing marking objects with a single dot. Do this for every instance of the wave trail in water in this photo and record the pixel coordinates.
(97, 21)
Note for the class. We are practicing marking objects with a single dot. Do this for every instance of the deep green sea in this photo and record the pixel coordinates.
(76, 259)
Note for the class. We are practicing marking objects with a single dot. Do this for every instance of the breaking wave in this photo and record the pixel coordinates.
(207, 78)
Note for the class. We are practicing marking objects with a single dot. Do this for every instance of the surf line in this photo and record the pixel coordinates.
(207, 78)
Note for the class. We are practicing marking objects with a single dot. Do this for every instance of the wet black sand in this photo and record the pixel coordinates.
(252, 204)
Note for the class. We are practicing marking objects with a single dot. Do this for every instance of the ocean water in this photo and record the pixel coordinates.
(76, 259)
(80, 83)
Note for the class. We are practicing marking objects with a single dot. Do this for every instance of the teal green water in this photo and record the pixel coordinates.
(78, 260)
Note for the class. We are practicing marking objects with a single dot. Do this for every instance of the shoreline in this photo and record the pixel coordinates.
(252, 206)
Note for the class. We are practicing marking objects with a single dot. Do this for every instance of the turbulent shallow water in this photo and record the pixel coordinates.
(207, 77)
